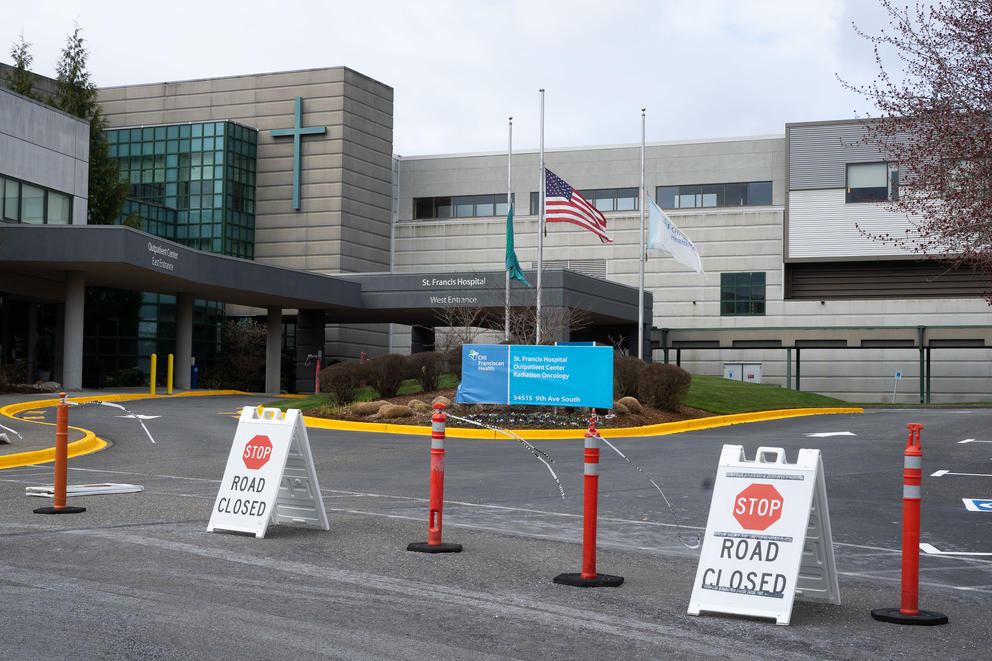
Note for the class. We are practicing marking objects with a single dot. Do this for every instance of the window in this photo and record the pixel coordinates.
(59, 209)
(701, 196)
(872, 182)
(742, 294)
(11, 199)
(604, 199)
(459, 206)
(25, 203)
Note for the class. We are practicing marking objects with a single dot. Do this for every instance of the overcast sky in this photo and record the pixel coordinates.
(459, 68)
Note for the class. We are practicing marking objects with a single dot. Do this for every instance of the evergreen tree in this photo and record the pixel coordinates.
(75, 93)
(20, 79)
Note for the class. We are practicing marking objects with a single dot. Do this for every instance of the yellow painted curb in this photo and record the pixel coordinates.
(650, 430)
(89, 442)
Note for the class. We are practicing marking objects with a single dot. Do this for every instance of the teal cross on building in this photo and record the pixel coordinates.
(298, 131)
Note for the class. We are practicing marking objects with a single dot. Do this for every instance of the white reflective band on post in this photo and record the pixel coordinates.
(592, 442)
(590, 469)
(910, 461)
(911, 491)
(437, 443)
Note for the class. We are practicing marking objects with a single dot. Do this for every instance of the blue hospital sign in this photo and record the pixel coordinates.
(537, 375)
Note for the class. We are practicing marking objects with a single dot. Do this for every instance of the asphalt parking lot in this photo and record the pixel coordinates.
(138, 576)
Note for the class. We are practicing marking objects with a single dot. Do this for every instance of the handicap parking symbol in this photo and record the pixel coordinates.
(978, 504)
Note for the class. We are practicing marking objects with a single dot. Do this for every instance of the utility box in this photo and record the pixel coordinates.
(750, 372)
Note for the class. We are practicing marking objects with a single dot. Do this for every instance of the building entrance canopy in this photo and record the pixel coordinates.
(54, 263)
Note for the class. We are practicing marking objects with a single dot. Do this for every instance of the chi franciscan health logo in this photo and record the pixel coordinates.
(475, 355)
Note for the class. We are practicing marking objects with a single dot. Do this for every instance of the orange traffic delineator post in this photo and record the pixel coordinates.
(434, 543)
(912, 478)
(588, 578)
(61, 463)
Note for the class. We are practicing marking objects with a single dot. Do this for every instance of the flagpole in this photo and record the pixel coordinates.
(509, 205)
(640, 289)
(540, 234)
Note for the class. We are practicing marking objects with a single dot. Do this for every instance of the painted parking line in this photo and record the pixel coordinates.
(933, 550)
(972, 440)
(828, 434)
(942, 472)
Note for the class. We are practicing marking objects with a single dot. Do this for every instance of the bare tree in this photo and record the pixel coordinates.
(935, 120)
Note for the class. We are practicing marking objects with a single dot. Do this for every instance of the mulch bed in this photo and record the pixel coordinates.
(566, 417)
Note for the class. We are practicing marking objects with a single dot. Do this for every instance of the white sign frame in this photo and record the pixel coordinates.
(740, 571)
(283, 490)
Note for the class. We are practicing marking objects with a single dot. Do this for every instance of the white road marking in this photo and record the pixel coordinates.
(942, 472)
(138, 416)
(825, 434)
(933, 550)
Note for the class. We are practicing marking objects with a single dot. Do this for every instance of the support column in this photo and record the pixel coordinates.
(184, 340)
(32, 342)
(788, 369)
(273, 349)
(72, 351)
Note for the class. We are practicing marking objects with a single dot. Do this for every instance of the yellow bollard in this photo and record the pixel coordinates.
(168, 380)
(154, 359)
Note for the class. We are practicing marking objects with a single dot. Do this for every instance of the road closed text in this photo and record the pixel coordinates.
(748, 580)
(244, 506)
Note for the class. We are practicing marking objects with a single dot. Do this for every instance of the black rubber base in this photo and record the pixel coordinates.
(924, 618)
(65, 510)
(601, 581)
(424, 547)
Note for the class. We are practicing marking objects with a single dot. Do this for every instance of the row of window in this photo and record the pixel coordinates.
(697, 196)
(26, 203)
(866, 182)
(754, 193)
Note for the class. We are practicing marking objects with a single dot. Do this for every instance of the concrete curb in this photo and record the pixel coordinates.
(623, 432)
(90, 443)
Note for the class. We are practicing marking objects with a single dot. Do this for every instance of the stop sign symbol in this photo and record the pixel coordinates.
(758, 506)
(257, 452)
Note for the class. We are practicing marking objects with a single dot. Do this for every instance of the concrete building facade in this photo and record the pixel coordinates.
(795, 293)
(323, 199)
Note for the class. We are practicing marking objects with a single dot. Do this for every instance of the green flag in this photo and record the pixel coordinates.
(512, 265)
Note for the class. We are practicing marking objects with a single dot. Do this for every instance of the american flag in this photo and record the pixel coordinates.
(562, 204)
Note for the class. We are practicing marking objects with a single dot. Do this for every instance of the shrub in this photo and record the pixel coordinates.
(386, 373)
(342, 380)
(620, 409)
(453, 361)
(443, 400)
(426, 368)
(626, 371)
(663, 386)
